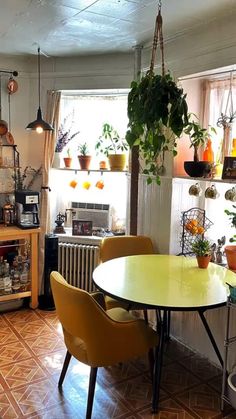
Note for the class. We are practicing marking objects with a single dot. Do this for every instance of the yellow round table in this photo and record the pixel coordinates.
(165, 283)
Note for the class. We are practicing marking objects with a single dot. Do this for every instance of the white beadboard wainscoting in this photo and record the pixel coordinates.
(154, 212)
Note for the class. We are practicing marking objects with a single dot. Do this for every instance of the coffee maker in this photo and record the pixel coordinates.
(27, 209)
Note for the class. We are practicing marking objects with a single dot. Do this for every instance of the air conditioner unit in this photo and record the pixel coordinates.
(99, 214)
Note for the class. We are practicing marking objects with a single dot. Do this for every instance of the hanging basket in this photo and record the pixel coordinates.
(157, 112)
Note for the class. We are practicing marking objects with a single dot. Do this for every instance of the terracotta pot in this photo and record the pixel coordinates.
(84, 162)
(203, 261)
(67, 161)
(117, 161)
(103, 165)
(230, 252)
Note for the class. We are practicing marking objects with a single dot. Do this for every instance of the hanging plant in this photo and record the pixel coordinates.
(157, 112)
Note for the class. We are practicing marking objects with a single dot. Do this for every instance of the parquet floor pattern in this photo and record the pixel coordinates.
(31, 356)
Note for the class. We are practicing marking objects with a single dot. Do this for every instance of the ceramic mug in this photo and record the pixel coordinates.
(195, 190)
(230, 195)
(211, 192)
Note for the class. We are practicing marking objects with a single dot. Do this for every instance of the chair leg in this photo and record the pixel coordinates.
(151, 362)
(64, 368)
(92, 383)
(145, 314)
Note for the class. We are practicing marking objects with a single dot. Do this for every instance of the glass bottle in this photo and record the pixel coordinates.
(208, 154)
(24, 277)
(233, 151)
(6, 278)
(1, 157)
(1, 276)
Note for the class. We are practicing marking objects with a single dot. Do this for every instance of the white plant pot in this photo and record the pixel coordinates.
(57, 161)
(232, 389)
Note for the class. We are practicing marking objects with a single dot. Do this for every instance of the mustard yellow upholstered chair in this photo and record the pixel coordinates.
(119, 246)
(97, 337)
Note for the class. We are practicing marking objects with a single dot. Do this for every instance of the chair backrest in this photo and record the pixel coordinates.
(91, 335)
(80, 315)
(76, 308)
(119, 246)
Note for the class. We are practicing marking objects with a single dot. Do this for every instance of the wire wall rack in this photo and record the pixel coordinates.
(194, 225)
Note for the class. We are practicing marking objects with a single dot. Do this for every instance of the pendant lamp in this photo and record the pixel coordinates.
(39, 125)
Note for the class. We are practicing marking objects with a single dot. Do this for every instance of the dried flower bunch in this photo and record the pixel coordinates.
(64, 134)
(26, 179)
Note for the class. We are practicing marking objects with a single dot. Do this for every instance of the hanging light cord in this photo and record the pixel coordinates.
(39, 74)
(9, 111)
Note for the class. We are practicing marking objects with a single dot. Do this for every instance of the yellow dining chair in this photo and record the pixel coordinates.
(119, 246)
(97, 337)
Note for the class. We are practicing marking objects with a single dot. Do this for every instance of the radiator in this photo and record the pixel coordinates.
(76, 263)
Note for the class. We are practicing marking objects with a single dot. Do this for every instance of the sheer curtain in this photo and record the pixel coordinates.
(217, 100)
(52, 116)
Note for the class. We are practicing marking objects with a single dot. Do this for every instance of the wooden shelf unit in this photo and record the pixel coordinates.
(15, 233)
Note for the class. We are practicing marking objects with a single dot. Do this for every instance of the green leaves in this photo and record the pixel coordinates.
(110, 142)
(232, 217)
(198, 136)
(201, 247)
(158, 113)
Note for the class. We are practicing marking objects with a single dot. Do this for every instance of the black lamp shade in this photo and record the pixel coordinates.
(39, 123)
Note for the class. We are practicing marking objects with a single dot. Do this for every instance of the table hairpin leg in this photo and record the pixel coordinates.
(210, 335)
(168, 325)
(162, 319)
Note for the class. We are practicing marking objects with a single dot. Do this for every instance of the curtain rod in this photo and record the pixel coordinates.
(206, 75)
(13, 73)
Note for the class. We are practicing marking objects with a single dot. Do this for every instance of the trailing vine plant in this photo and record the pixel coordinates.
(157, 112)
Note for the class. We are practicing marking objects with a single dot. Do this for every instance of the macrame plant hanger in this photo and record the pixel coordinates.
(226, 120)
(158, 36)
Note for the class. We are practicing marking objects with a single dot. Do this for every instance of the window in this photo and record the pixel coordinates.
(221, 111)
(89, 110)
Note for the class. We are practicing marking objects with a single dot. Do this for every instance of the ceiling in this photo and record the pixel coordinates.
(81, 27)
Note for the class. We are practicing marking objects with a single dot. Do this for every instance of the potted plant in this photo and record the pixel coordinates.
(230, 250)
(198, 137)
(157, 112)
(202, 249)
(68, 159)
(84, 156)
(113, 147)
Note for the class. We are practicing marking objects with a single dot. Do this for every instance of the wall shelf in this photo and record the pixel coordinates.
(204, 179)
(67, 169)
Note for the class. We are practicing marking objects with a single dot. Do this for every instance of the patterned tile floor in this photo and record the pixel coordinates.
(31, 356)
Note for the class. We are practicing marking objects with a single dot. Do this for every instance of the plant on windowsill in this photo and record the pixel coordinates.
(68, 159)
(198, 137)
(202, 249)
(84, 157)
(113, 147)
(230, 250)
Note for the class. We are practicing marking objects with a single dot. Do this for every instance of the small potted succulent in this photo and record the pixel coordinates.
(67, 159)
(84, 157)
(202, 249)
(113, 147)
(230, 250)
(198, 137)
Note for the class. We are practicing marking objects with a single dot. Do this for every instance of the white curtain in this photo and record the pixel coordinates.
(52, 116)
(217, 99)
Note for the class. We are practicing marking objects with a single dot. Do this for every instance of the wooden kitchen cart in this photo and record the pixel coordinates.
(13, 233)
